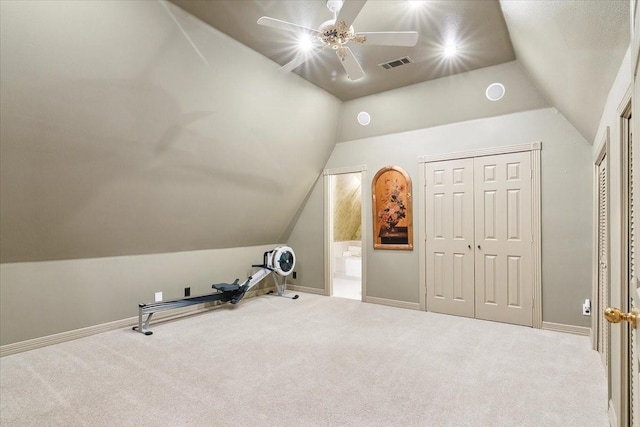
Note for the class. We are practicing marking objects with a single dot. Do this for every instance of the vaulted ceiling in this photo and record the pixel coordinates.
(138, 127)
(570, 49)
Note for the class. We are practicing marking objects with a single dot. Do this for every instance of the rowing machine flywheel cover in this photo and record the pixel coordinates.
(282, 260)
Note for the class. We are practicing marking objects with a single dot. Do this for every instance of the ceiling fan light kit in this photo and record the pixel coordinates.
(336, 33)
(450, 50)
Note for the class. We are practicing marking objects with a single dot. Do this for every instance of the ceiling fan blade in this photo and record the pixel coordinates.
(297, 61)
(350, 10)
(392, 38)
(287, 26)
(350, 64)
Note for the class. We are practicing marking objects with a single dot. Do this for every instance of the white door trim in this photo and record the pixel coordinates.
(536, 265)
(490, 151)
(346, 169)
(328, 228)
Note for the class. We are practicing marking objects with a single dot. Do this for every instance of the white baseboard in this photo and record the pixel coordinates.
(305, 289)
(571, 329)
(393, 303)
(48, 340)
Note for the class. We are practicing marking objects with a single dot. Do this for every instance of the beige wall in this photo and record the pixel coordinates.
(130, 128)
(307, 239)
(431, 107)
(44, 298)
(437, 102)
(566, 204)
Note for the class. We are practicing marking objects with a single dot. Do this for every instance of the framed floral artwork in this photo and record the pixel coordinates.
(392, 212)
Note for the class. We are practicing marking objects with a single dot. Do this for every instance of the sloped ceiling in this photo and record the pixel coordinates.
(572, 51)
(122, 132)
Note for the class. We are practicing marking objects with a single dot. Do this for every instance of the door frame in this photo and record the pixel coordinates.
(621, 413)
(536, 254)
(328, 228)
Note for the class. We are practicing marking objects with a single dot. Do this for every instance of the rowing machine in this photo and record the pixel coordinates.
(279, 261)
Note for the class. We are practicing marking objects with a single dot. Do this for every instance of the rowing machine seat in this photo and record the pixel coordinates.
(227, 287)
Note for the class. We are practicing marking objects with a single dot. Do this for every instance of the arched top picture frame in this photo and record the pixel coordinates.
(392, 209)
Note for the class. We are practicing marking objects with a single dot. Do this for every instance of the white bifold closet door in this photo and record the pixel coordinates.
(504, 286)
(479, 241)
(450, 239)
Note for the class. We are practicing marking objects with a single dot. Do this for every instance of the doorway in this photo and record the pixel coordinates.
(601, 246)
(343, 233)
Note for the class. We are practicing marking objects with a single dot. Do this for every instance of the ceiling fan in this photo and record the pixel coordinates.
(336, 33)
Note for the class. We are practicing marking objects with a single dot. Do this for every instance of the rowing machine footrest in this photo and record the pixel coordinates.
(239, 294)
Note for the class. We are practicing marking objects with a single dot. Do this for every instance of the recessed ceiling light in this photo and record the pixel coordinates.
(495, 91)
(416, 4)
(450, 50)
(364, 118)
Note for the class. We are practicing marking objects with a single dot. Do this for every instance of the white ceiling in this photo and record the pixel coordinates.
(570, 49)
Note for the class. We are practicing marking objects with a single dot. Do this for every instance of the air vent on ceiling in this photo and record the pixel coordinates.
(396, 63)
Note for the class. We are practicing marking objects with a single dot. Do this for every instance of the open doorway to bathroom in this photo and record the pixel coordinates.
(344, 233)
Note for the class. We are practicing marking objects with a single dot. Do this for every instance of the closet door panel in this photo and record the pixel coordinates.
(503, 253)
(449, 226)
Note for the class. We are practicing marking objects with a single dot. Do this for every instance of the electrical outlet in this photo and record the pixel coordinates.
(295, 275)
(586, 308)
(187, 292)
(158, 296)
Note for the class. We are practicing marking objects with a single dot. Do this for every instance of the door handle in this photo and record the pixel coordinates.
(614, 315)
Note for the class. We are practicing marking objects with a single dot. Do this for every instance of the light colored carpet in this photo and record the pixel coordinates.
(315, 361)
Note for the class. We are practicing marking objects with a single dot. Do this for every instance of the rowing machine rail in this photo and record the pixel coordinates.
(279, 261)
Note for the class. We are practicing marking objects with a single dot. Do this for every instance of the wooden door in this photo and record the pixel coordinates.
(449, 245)
(602, 278)
(634, 357)
(503, 238)
(634, 232)
(634, 271)
(624, 383)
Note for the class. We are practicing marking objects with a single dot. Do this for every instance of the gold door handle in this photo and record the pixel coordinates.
(614, 315)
